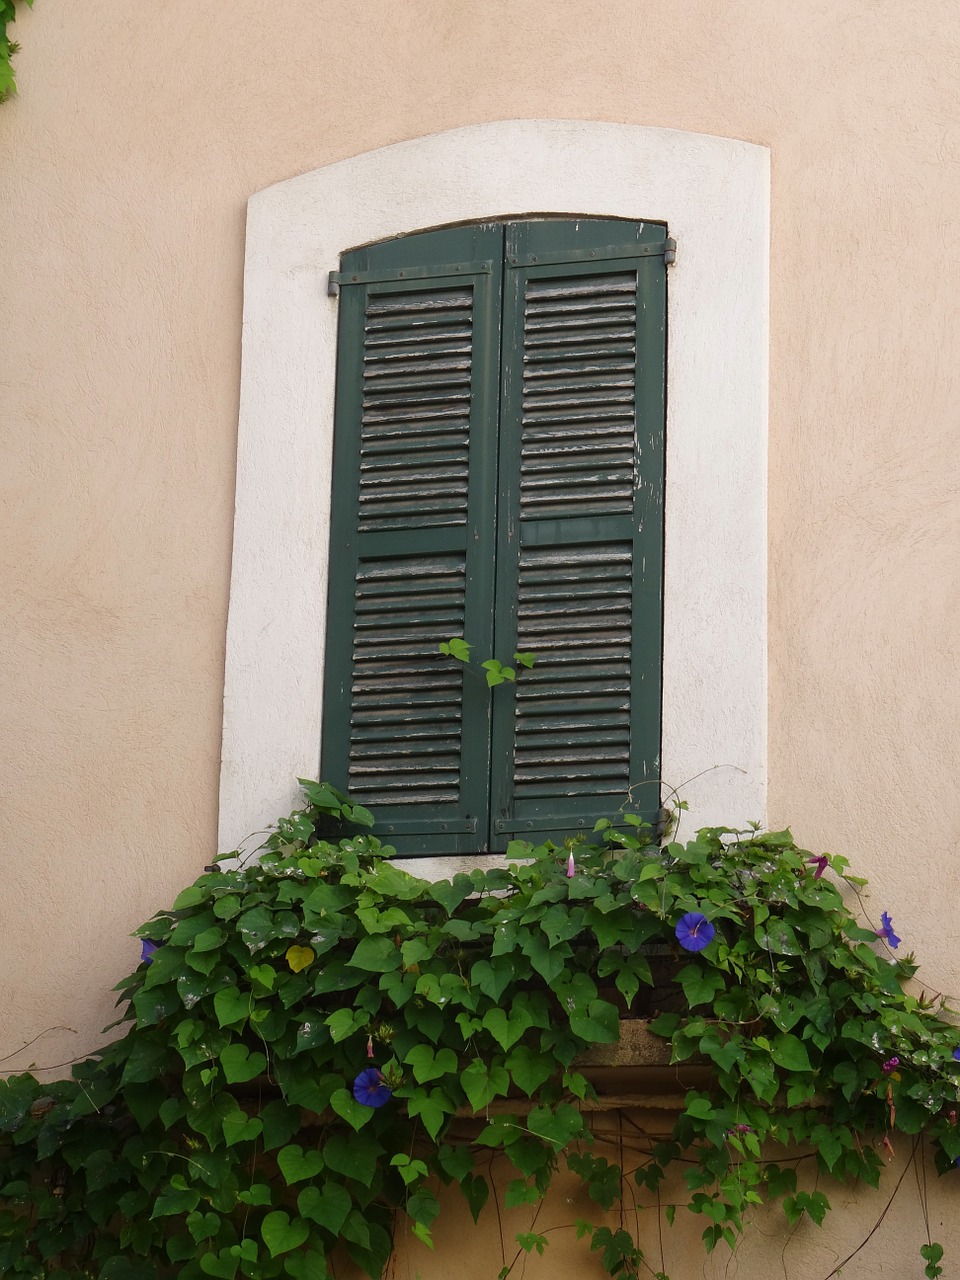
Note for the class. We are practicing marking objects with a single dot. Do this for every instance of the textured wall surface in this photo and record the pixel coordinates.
(125, 167)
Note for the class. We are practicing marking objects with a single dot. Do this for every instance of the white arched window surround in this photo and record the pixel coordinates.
(713, 194)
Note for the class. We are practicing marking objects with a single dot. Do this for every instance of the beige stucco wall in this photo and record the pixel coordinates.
(125, 166)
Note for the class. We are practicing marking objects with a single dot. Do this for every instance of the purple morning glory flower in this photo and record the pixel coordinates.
(370, 1089)
(147, 948)
(819, 861)
(694, 931)
(571, 867)
(886, 933)
(956, 1053)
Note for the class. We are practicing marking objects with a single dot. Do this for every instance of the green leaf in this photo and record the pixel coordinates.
(280, 1234)
(240, 1065)
(190, 897)
(173, 1201)
(355, 1156)
(423, 1206)
(210, 939)
(427, 1065)
(482, 1083)
(280, 1123)
(456, 647)
(790, 1053)
(432, 1108)
(529, 1069)
(237, 1126)
(347, 1107)
(700, 985)
(505, 1028)
(219, 1264)
(558, 1125)
(298, 1165)
(328, 1207)
(376, 955)
(231, 1006)
(492, 977)
(344, 1022)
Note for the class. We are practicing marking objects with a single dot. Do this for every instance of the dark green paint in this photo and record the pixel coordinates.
(579, 543)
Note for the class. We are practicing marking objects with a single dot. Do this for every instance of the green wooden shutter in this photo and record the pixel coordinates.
(412, 553)
(580, 548)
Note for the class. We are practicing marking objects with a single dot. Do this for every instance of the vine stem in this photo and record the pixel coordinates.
(886, 1208)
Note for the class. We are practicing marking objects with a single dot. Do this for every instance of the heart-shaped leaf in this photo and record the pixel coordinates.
(240, 1065)
(329, 1207)
(299, 958)
(507, 1030)
(427, 1065)
(280, 1235)
(347, 1107)
(298, 1165)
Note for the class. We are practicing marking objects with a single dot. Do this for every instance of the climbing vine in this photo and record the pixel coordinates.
(8, 47)
(316, 1045)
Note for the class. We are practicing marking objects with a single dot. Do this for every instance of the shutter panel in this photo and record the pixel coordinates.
(406, 731)
(580, 551)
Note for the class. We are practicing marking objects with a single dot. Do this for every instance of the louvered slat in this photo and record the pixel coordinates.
(572, 710)
(416, 398)
(405, 730)
(577, 432)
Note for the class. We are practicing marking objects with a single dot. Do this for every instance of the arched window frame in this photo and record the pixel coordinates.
(713, 193)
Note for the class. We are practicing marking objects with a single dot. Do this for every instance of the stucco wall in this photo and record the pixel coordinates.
(125, 167)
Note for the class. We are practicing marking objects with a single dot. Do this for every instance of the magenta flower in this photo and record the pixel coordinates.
(370, 1089)
(571, 867)
(820, 861)
(147, 949)
(694, 931)
(887, 931)
(891, 1064)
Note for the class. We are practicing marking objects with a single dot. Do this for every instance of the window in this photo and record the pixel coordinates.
(713, 194)
(498, 475)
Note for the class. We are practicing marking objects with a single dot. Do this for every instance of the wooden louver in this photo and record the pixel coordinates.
(498, 475)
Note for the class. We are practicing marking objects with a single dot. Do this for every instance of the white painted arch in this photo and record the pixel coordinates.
(713, 193)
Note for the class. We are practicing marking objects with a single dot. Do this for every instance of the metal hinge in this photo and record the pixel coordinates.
(669, 251)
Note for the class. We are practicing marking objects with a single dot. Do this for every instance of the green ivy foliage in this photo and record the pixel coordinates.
(8, 47)
(222, 1135)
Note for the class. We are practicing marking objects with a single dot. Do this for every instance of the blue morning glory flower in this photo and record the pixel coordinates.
(886, 933)
(694, 931)
(370, 1089)
(956, 1053)
(147, 948)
